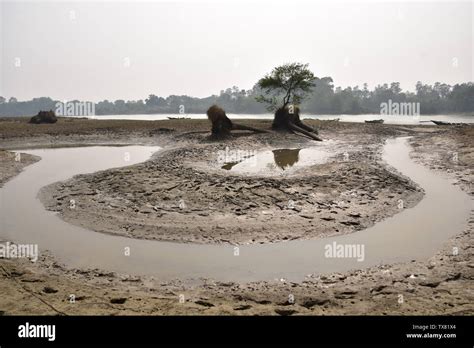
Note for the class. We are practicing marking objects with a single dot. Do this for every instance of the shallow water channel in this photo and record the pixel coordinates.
(414, 233)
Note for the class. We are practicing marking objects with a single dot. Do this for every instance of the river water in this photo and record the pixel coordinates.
(415, 233)
(389, 119)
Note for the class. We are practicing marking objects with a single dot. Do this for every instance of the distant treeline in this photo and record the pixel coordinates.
(439, 98)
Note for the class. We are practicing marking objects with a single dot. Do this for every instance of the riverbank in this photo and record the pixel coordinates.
(438, 286)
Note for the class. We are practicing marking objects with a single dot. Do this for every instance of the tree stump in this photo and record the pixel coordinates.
(222, 125)
(288, 119)
(44, 117)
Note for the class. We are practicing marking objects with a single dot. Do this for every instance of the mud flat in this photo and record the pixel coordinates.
(438, 285)
(184, 195)
(12, 164)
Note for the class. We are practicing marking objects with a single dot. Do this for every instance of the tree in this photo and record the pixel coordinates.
(288, 83)
(282, 90)
(153, 100)
(395, 88)
(321, 97)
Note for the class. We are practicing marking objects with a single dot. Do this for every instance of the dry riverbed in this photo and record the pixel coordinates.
(351, 191)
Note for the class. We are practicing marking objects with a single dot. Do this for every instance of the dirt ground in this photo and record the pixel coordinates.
(351, 191)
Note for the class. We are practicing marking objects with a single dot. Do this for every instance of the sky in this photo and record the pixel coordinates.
(97, 50)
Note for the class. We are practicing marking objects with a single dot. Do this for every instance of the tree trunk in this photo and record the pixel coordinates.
(222, 125)
(288, 119)
(236, 126)
(305, 132)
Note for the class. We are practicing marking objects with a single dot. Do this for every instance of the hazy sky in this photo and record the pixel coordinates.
(126, 50)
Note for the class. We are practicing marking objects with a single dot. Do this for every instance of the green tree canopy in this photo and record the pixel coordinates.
(288, 83)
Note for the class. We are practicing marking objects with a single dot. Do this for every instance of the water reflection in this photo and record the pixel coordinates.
(282, 158)
(286, 158)
(229, 165)
(277, 161)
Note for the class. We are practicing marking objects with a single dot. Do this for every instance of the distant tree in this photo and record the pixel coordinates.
(153, 100)
(336, 104)
(365, 91)
(395, 88)
(442, 89)
(461, 97)
(318, 96)
(320, 99)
